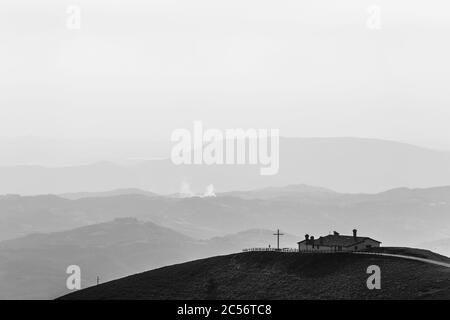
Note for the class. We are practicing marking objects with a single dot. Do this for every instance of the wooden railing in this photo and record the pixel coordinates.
(292, 250)
(271, 249)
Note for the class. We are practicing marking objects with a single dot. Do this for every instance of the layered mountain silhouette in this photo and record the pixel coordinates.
(274, 275)
(342, 164)
(395, 217)
(34, 266)
(94, 231)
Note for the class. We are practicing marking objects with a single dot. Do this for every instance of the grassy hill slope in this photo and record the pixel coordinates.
(412, 252)
(273, 275)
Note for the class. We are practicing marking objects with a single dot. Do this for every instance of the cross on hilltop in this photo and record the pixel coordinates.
(278, 234)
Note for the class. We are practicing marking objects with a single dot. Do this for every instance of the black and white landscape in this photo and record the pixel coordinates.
(239, 149)
(119, 233)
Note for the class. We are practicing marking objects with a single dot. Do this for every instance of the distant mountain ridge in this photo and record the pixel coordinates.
(181, 229)
(293, 190)
(112, 193)
(341, 164)
(396, 217)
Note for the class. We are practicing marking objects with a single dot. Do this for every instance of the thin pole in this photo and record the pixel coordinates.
(278, 239)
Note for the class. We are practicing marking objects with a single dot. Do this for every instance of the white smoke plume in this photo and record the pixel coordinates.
(185, 190)
(209, 192)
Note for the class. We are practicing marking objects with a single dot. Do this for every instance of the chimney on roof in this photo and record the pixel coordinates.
(335, 233)
(355, 233)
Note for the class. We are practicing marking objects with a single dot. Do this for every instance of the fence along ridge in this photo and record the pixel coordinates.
(290, 250)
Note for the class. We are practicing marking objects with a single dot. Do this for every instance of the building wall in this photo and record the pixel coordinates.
(303, 247)
(365, 245)
(360, 246)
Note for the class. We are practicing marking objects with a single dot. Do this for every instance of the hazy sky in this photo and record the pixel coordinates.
(144, 68)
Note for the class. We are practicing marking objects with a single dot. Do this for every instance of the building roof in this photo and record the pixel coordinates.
(338, 240)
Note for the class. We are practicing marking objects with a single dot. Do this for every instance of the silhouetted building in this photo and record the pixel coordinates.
(337, 242)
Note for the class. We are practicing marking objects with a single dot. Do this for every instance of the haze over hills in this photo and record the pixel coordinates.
(290, 192)
(115, 249)
(342, 164)
(58, 152)
(274, 275)
(396, 217)
(112, 193)
(108, 250)
(183, 229)
(34, 266)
